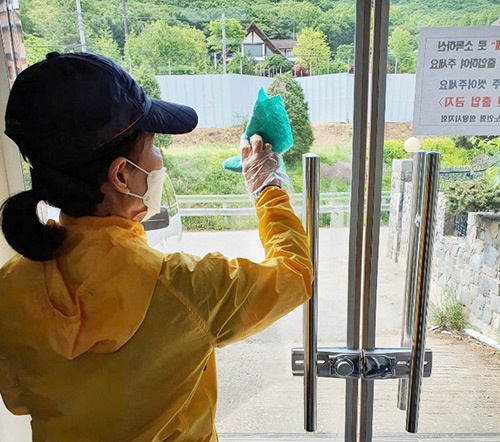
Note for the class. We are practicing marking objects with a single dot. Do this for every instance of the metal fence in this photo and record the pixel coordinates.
(333, 203)
(465, 173)
(227, 100)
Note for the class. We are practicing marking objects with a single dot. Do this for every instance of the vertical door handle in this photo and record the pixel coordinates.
(425, 186)
(310, 220)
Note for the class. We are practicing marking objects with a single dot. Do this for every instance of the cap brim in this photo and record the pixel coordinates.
(164, 117)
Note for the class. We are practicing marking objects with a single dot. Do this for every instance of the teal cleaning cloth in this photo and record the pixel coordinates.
(270, 121)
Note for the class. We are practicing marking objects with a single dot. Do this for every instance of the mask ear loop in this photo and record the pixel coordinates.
(163, 169)
(142, 170)
(136, 166)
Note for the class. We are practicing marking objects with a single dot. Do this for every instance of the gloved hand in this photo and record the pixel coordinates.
(261, 166)
(270, 121)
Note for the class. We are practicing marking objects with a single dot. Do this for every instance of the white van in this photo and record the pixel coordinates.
(164, 230)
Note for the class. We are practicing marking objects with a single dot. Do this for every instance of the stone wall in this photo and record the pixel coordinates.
(467, 268)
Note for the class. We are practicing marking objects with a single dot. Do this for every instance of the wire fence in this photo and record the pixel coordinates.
(465, 173)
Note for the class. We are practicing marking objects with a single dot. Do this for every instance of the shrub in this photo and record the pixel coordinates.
(240, 64)
(337, 67)
(272, 66)
(299, 71)
(493, 174)
(463, 142)
(472, 196)
(393, 150)
(297, 110)
(486, 145)
(450, 155)
(278, 63)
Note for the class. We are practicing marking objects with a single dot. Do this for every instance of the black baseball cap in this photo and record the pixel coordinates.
(72, 108)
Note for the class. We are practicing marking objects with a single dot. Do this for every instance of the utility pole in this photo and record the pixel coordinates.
(223, 27)
(80, 26)
(125, 21)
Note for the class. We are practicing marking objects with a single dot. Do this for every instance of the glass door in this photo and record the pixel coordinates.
(361, 288)
(382, 325)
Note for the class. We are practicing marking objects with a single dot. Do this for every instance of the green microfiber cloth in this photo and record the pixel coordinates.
(270, 121)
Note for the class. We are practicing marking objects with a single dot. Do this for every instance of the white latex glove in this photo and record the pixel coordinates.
(260, 165)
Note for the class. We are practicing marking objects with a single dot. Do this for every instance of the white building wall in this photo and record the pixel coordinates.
(252, 38)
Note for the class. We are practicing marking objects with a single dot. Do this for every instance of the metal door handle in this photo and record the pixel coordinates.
(310, 220)
(425, 186)
(379, 363)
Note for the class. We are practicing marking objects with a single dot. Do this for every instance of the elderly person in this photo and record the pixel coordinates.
(103, 338)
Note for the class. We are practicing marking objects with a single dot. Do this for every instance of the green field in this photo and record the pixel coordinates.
(196, 170)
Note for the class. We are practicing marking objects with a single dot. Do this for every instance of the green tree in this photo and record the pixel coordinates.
(104, 44)
(234, 35)
(402, 48)
(334, 67)
(298, 114)
(278, 64)
(337, 23)
(108, 14)
(311, 49)
(103, 20)
(36, 49)
(284, 19)
(272, 65)
(240, 64)
(345, 53)
(302, 14)
(167, 49)
(144, 78)
(54, 22)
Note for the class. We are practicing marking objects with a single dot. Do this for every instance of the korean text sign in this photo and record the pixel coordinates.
(458, 81)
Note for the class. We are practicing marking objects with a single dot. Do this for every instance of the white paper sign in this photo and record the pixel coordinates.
(457, 89)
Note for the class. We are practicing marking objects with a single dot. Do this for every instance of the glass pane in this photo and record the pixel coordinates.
(253, 50)
(459, 397)
(257, 392)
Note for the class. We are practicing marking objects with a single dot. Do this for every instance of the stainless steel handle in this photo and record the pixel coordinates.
(424, 201)
(310, 220)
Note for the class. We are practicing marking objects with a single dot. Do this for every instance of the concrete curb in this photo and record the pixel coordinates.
(484, 339)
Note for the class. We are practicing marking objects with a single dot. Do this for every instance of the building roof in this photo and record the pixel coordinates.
(285, 44)
(269, 43)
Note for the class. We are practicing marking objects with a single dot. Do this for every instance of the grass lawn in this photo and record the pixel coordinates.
(195, 168)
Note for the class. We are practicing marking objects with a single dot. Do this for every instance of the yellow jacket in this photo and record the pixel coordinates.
(113, 341)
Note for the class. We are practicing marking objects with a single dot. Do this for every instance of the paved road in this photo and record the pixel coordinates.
(258, 394)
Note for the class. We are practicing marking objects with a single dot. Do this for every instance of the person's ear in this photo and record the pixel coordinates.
(118, 175)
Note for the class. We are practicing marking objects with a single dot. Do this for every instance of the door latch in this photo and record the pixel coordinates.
(380, 363)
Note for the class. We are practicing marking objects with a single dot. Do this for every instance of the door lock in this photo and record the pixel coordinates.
(380, 363)
(343, 367)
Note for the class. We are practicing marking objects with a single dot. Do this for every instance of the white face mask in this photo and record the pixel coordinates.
(152, 196)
